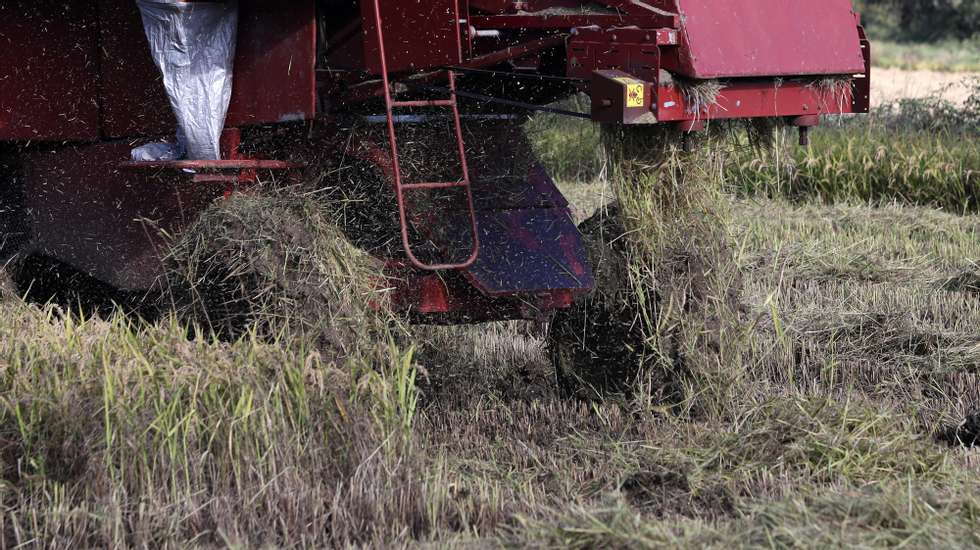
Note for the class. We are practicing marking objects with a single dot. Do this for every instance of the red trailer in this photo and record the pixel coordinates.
(78, 89)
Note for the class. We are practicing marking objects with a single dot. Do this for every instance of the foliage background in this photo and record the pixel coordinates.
(921, 20)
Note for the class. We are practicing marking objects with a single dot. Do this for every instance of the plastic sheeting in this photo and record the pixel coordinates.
(193, 45)
(158, 151)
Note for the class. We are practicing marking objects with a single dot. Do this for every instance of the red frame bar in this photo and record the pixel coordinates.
(514, 52)
(210, 165)
(532, 21)
(424, 103)
(433, 185)
(757, 100)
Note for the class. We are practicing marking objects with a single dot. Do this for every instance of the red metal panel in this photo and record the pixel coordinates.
(539, 21)
(744, 38)
(134, 102)
(418, 34)
(862, 86)
(759, 99)
(492, 6)
(632, 50)
(275, 77)
(510, 6)
(275, 68)
(48, 71)
(86, 211)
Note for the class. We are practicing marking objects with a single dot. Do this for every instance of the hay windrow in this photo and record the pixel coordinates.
(274, 263)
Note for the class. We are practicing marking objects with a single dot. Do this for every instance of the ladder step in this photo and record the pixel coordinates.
(424, 103)
(435, 185)
(430, 218)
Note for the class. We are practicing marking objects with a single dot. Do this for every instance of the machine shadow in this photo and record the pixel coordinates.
(44, 281)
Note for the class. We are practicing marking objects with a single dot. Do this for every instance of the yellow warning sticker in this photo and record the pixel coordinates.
(634, 95)
(634, 92)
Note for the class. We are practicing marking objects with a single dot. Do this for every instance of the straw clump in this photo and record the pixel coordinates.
(275, 262)
(682, 269)
(700, 95)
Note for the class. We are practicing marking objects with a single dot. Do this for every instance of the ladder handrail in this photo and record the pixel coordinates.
(390, 106)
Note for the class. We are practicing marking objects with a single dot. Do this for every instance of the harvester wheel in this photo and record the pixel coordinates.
(597, 344)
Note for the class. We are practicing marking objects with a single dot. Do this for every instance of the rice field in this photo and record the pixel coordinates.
(833, 405)
(944, 55)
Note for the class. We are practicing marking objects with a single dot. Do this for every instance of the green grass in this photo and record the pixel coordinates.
(947, 55)
(921, 152)
(568, 147)
(863, 160)
(869, 164)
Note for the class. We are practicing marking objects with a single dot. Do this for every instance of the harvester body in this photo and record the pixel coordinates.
(78, 89)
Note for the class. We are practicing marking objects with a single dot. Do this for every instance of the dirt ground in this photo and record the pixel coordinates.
(892, 84)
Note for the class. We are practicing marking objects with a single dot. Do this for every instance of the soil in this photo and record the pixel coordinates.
(596, 345)
(967, 434)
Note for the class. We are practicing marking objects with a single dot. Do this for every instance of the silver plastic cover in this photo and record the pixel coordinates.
(193, 45)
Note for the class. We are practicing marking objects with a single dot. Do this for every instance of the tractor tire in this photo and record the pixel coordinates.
(596, 346)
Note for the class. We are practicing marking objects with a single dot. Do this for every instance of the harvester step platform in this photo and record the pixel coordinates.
(424, 103)
(232, 173)
(435, 185)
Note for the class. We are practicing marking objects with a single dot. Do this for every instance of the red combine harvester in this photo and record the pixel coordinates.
(79, 90)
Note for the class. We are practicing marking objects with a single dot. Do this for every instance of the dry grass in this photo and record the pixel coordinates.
(118, 434)
(944, 56)
(7, 290)
(699, 95)
(807, 416)
(867, 299)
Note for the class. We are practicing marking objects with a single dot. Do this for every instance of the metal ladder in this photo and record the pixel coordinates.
(400, 186)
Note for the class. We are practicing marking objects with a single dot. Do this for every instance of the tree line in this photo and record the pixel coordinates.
(921, 20)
